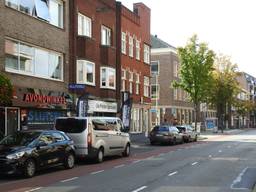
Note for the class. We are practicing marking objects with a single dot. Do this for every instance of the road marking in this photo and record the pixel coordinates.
(238, 179)
(173, 173)
(35, 189)
(140, 189)
(194, 163)
(210, 156)
(137, 161)
(220, 151)
(118, 166)
(93, 173)
(71, 179)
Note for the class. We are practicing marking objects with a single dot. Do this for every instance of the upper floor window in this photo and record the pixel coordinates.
(146, 54)
(146, 86)
(84, 25)
(175, 69)
(137, 49)
(155, 91)
(105, 35)
(137, 84)
(130, 46)
(123, 43)
(175, 94)
(123, 74)
(26, 59)
(50, 11)
(154, 67)
(108, 78)
(85, 72)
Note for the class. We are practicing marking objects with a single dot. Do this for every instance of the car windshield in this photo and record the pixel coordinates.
(19, 138)
(163, 129)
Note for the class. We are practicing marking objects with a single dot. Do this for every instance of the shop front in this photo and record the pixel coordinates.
(102, 108)
(33, 109)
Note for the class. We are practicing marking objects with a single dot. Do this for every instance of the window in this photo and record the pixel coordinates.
(146, 86)
(130, 46)
(105, 36)
(175, 94)
(130, 87)
(58, 137)
(123, 43)
(154, 67)
(137, 49)
(108, 78)
(137, 84)
(50, 11)
(146, 54)
(131, 76)
(123, 79)
(29, 60)
(84, 25)
(175, 69)
(154, 91)
(131, 82)
(85, 72)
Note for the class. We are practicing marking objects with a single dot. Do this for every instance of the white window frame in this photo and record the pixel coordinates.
(137, 91)
(175, 94)
(108, 69)
(123, 74)
(86, 25)
(130, 87)
(175, 69)
(123, 45)
(33, 73)
(146, 53)
(146, 86)
(137, 49)
(123, 85)
(106, 41)
(84, 81)
(151, 63)
(155, 96)
(131, 76)
(130, 46)
(60, 2)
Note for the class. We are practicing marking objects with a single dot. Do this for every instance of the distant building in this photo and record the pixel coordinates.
(170, 104)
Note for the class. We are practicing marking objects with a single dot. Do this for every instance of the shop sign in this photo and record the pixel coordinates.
(29, 97)
(101, 106)
(73, 86)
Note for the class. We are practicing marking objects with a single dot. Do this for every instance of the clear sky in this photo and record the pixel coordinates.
(228, 26)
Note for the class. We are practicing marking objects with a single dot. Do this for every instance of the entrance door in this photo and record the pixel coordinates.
(12, 120)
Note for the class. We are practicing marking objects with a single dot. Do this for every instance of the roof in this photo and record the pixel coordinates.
(158, 43)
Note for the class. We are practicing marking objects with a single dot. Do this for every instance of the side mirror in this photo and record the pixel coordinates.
(41, 144)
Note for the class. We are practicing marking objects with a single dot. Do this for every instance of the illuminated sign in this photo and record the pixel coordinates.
(44, 99)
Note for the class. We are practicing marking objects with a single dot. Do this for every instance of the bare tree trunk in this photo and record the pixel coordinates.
(196, 107)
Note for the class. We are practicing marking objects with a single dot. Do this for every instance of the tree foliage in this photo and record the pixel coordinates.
(6, 90)
(196, 61)
(225, 86)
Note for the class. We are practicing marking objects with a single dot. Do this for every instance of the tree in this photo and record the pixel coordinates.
(224, 87)
(6, 90)
(196, 61)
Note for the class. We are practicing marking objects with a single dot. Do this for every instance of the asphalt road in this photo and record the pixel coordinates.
(220, 164)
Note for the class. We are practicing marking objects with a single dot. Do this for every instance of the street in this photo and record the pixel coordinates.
(221, 163)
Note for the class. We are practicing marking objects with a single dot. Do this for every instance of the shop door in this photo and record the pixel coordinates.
(12, 120)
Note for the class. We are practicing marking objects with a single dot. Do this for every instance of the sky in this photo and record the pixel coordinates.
(228, 26)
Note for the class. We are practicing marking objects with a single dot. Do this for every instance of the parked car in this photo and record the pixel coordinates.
(96, 137)
(165, 134)
(28, 151)
(188, 133)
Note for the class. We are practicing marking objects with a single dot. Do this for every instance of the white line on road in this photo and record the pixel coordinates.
(137, 161)
(118, 166)
(140, 189)
(34, 189)
(173, 173)
(71, 179)
(93, 173)
(220, 151)
(194, 163)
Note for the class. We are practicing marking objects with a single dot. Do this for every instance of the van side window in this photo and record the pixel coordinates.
(120, 125)
(105, 124)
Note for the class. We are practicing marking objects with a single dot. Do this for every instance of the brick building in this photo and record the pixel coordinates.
(93, 55)
(134, 39)
(34, 54)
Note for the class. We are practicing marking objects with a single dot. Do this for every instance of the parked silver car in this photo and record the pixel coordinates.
(188, 132)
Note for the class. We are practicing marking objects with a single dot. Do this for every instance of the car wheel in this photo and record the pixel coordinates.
(69, 162)
(174, 141)
(100, 155)
(127, 150)
(30, 168)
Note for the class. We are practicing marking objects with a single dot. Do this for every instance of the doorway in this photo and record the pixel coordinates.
(9, 120)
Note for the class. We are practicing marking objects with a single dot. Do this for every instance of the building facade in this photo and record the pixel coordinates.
(93, 57)
(134, 38)
(169, 105)
(34, 54)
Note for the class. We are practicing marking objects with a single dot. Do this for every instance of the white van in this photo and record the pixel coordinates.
(96, 137)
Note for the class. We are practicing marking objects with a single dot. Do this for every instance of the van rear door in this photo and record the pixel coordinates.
(77, 130)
